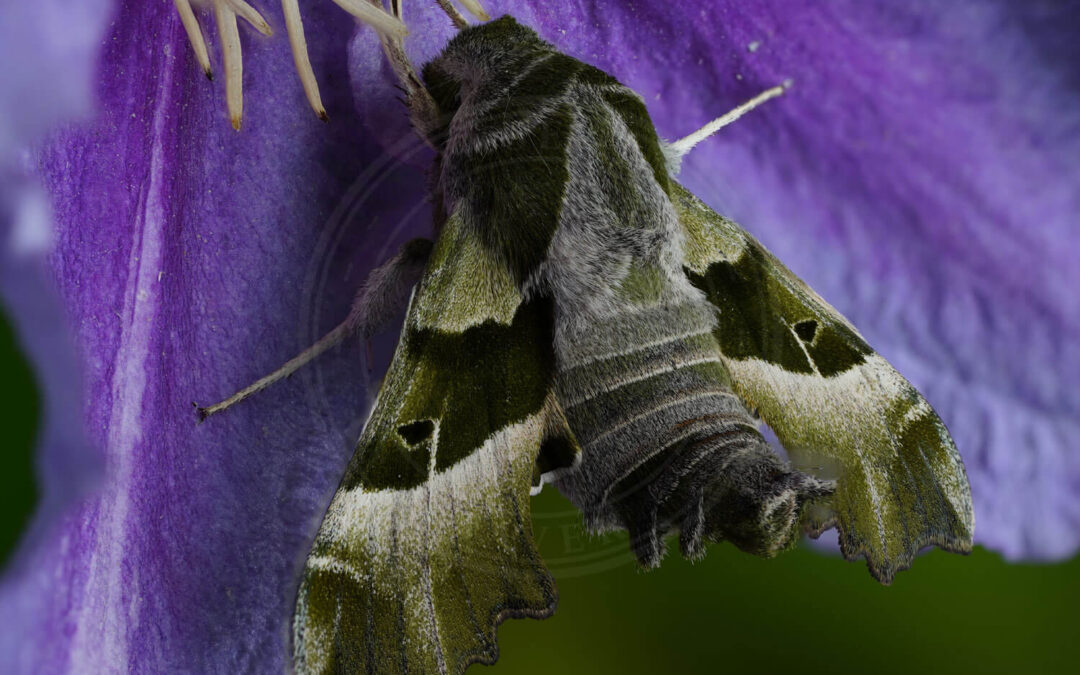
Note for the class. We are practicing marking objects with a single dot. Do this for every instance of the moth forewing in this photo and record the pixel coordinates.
(831, 400)
(427, 544)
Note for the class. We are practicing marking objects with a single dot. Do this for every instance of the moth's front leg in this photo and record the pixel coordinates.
(382, 298)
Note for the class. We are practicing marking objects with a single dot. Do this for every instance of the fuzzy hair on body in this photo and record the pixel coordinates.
(612, 266)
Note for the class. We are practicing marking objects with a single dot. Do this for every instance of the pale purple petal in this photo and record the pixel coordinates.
(47, 48)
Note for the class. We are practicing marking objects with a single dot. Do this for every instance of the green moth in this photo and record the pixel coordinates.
(581, 319)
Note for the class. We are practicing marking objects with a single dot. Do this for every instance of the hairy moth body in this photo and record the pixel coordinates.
(555, 166)
(583, 319)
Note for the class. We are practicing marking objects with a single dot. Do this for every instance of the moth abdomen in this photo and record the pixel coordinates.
(666, 445)
(728, 486)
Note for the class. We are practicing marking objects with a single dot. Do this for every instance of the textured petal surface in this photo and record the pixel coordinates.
(921, 175)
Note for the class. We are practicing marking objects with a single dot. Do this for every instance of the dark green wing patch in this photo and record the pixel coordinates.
(462, 387)
(515, 191)
(631, 109)
(427, 544)
(764, 316)
(839, 409)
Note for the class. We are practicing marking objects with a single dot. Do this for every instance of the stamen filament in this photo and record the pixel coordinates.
(389, 24)
(376, 17)
(195, 36)
(251, 15)
(294, 26)
(476, 9)
(234, 63)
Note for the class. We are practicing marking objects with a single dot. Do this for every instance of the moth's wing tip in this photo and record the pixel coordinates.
(885, 569)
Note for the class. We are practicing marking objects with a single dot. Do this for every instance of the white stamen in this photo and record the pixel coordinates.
(294, 26)
(389, 24)
(376, 17)
(234, 63)
(251, 15)
(684, 145)
(194, 33)
(397, 11)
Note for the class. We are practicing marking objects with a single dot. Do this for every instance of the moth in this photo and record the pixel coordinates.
(581, 319)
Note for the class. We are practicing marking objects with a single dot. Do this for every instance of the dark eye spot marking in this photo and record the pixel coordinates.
(416, 432)
(806, 330)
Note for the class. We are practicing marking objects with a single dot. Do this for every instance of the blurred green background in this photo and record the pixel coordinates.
(731, 612)
(19, 417)
(803, 611)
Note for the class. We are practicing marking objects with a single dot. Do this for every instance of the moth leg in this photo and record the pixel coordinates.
(455, 16)
(422, 110)
(382, 297)
(677, 149)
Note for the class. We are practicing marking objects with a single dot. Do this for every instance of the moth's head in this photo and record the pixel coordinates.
(482, 61)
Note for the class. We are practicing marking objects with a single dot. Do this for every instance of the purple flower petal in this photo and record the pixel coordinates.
(48, 49)
(921, 175)
(192, 259)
